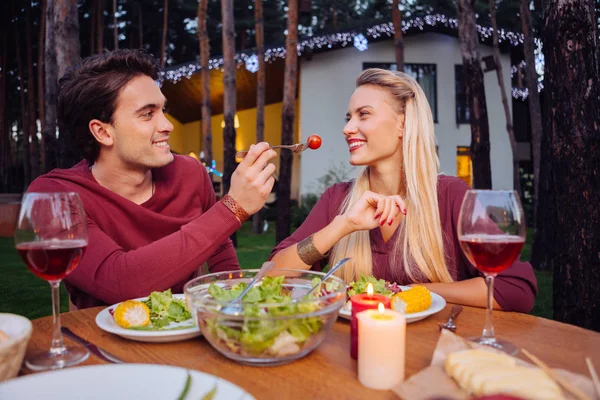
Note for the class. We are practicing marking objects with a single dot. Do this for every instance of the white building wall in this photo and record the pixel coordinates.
(327, 82)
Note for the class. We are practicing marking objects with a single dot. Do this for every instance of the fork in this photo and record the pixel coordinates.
(295, 148)
(97, 351)
(450, 323)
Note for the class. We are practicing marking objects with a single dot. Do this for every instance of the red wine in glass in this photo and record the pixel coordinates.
(52, 261)
(491, 232)
(492, 253)
(51, 236)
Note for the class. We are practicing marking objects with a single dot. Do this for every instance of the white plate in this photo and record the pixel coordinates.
(106, 322)
(119, 382)
(437, 304)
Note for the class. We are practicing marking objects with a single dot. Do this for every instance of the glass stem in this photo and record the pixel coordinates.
(488, 329)
(57, 347)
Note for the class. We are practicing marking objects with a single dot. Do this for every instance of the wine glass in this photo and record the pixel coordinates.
(50, 236)
(491, 231)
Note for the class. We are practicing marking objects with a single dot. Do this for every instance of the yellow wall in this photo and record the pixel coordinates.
(176, 137)
(187, 138)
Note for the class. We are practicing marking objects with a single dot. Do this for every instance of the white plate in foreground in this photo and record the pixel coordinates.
(437, 304)
(106, 322)
(119, 382)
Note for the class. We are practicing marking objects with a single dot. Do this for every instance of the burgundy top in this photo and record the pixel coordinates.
(514, 289)
(135, 249)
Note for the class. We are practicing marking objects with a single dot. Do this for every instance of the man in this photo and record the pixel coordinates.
(153, 217)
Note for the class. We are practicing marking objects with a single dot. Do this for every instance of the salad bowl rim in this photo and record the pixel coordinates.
(337, 295)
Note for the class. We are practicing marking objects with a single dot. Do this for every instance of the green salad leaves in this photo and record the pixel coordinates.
(259, 334)
(380, 286)
(164, 309)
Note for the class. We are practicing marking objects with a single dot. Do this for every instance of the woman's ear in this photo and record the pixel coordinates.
(400, 125)
(101, 132)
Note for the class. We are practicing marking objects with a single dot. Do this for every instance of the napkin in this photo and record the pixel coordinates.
(432, 382)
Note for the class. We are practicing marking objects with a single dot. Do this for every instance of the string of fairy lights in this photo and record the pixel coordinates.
(360, 40)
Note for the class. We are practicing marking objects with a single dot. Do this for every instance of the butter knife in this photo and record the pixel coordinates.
(97, 351)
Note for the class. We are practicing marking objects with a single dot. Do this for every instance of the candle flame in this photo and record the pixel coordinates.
(381, 308)
(370, 289)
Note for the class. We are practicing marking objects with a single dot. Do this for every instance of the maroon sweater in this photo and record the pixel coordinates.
(135, 249)
(514, 289)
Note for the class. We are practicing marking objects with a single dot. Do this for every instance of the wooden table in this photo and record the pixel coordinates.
(329, 372)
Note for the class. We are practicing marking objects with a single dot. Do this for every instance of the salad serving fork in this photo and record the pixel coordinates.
(332, 270)
(234, 307)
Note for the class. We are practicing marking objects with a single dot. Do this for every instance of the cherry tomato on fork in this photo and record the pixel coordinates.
(314, 142)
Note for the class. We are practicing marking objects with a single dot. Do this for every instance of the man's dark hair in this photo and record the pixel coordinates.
(90, 90)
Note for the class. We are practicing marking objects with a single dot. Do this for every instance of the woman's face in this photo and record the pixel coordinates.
(373, 128)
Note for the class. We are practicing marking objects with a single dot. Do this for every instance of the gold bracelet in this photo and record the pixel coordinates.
(235, 208)
(308, 253)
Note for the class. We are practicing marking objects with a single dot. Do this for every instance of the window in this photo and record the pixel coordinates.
(464, 166)
(462, 106)
(424, 74)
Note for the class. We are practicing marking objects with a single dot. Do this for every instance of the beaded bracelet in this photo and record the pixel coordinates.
(235, 208)
(307, 251)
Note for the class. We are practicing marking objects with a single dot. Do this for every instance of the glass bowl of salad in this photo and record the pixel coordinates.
(279, 322)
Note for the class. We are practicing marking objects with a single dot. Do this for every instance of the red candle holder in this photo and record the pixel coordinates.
(362, 302)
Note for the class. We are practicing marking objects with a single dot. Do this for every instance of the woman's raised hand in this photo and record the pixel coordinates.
(373, 210)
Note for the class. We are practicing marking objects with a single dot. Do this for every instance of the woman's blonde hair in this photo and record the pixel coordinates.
(421, 232)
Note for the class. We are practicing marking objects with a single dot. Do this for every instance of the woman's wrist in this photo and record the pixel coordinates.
(342, 226)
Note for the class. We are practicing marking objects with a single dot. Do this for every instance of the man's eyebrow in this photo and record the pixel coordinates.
(150, 106)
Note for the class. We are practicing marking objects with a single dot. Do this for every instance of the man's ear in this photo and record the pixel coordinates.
(101, 132)
(400, 125)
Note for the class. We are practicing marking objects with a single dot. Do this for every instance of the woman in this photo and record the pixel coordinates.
(398, 219)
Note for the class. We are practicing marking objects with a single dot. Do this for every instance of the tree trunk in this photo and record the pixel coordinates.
(99, 27)
(229, 94)
(260, 91)
(40, 84)
(205, 76)
(509, 126)
(535, 112)
(67, 54)
(93, 18)
(115, 26)
(398, 37)
(480, 133)
(4, 132)
(568, 211)
(33, 147)
(163, 42)
(140, 26)
(51, 89)
(287, 123)
(24, 114)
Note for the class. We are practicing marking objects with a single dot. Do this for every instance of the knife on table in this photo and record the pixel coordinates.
(97, 351)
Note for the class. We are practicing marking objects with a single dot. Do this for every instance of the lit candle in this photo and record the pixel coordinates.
(362, 302)
(381, 346)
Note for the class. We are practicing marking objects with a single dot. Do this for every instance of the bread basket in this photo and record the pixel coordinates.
(12, 350)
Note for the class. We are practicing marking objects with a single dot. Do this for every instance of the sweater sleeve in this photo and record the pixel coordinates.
(317, 219)
(515, 288)
(224, 258)
(110, 273)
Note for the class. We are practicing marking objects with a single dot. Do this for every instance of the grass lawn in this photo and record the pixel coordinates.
(23, 293)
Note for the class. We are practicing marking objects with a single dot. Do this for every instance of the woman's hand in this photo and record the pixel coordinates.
(373, 210)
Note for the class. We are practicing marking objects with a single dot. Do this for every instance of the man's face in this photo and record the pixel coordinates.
(140, 129)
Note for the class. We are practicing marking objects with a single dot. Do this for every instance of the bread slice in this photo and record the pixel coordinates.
(483, 372)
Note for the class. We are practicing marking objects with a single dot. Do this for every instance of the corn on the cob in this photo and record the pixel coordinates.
(132, 313)
(411, 301)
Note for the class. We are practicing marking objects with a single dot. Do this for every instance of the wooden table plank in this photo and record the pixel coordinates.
(329, 371)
